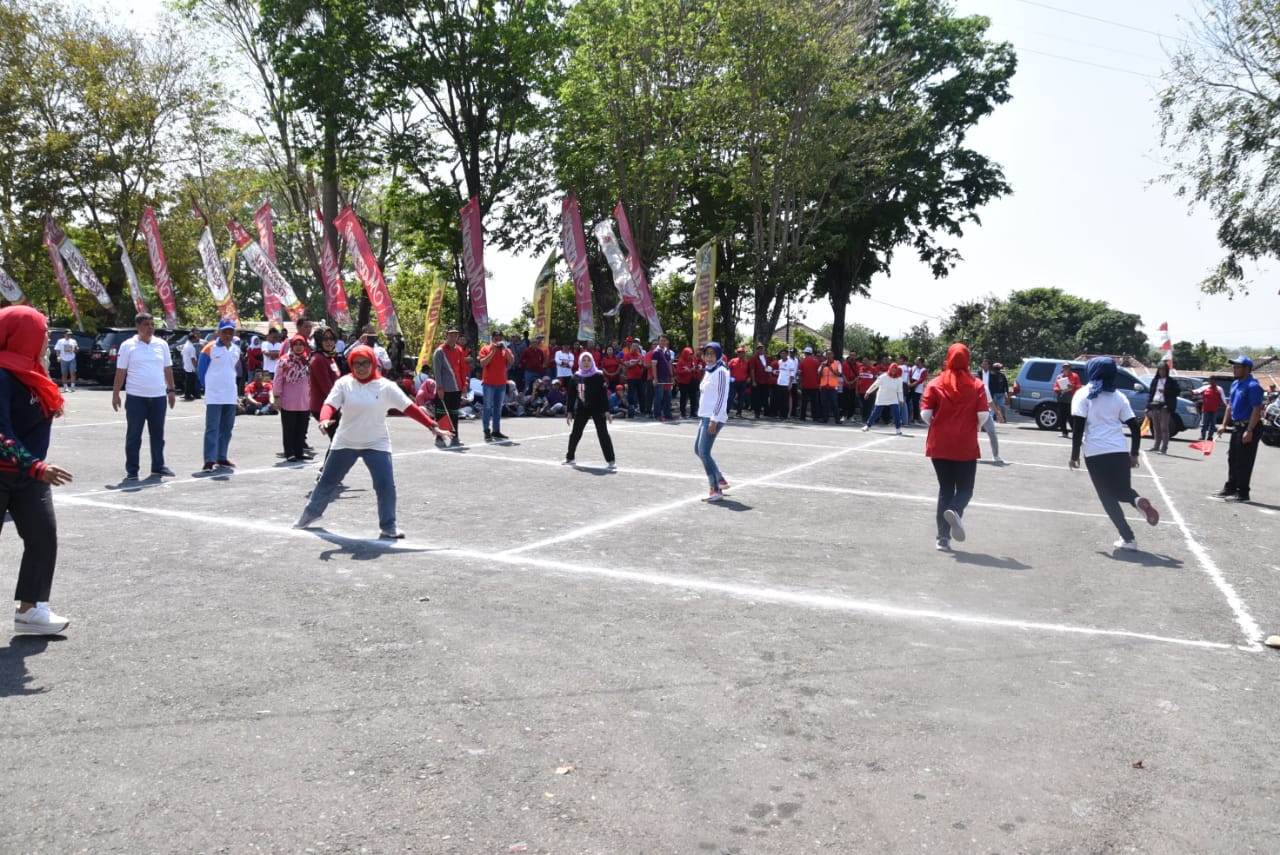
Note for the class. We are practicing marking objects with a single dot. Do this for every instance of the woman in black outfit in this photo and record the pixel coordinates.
(1162, 398)
(590, 403)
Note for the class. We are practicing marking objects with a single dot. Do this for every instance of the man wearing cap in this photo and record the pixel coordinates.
(144, 370)
(1065, 386)
(1243, 413)
(998, 384)
(447, 381)
(217, 370)
(495, 359)
(809, 400)
(738, 368)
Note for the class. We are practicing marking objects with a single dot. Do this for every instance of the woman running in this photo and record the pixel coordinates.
(1098, 415)
(591, 403)
(363, 397)
(713, 412)
(954, 407)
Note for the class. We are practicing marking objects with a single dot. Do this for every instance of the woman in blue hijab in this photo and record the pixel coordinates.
(713, 412)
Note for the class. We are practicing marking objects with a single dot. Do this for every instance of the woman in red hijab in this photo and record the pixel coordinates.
(29, 402)
(954, 407)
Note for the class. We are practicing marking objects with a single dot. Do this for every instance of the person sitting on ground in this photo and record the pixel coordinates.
(257, 396)
(555, 399)
(511, 404)
(618, 401)
(537, 405)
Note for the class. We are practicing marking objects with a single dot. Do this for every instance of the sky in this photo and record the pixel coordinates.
(1079, 143)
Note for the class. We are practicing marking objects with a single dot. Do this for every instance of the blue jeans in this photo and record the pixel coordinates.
(336, 467)
(738, 395)
(830, 400)
(219, 420)
(1208, 421)
(702, 448)
(139, 412)
(662, 401)
(895, 410)
(494, 397)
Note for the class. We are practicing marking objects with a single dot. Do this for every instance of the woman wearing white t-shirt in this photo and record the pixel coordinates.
(363, 397)
(1099, 414)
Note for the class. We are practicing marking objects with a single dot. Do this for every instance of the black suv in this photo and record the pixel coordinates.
(84, 339)
(102, 361)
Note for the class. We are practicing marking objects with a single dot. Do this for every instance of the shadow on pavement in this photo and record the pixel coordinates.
(15, 679)
(365, 549)
(1145, 559)
(983, 560)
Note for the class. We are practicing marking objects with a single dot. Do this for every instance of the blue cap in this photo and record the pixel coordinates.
(1243, 360)
(226, 324)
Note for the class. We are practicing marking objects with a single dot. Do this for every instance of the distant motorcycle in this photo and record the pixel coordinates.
(1271, 424)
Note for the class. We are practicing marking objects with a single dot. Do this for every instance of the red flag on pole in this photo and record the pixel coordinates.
(159, 267)
(473, 265)
(1166, 346)
(273, 282)
(60, 270)
(267, 240)
(335, 294)
(574, 244)
(367, 269)
(636, 269)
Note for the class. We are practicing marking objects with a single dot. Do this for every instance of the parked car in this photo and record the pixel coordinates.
(1032, 394)
(102, 359)
(83, 363)
(1271, 424)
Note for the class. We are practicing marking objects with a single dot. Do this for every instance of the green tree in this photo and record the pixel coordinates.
(1184, 356)
(1112, 332)
(1220, 115)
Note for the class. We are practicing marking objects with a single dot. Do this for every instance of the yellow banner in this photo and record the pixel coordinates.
(542, 294)
(704, 294)
(435, 299)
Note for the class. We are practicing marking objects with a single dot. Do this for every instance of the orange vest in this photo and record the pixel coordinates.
(828, 377)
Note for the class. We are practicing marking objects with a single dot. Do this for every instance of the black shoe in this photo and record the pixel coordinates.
(440, 443)
(497, 435)
(1237, 497)
(164, 472)
(455, 443)
(1224, 493)
(487, 436)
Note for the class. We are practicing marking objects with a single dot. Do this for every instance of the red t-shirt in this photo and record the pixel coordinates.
(611, 366)
(953, 433)
(809, 372)
(533, 359)
(495, 373)
(1212, 401)
(461, 365)
(636, 371)
(738, 368)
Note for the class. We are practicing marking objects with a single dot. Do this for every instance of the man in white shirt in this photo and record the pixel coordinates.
(788, 368)
(67, 348)
(190, 356)
(564, 364)
(217, 369)
(144, 369)
(271, 351)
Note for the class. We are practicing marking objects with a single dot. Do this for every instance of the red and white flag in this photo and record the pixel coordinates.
(159, 267)
(627, 292)
(273, 282)
(135, 290)
(574, 244)
(367, 269)
(335, 294)
(214, 276)
(267, 241)
(60, 271)
(78, 263)
(9, 289)
(1166, 346)
(636, 269)
(473, 265)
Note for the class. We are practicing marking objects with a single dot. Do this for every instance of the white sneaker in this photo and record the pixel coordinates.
(39, 621)
(898, 432)
(866, 428)
(943, 545)
(306, 519)
(953, 520)
(997, 461)
(393, 534)
(1126, 545)
(613, 466)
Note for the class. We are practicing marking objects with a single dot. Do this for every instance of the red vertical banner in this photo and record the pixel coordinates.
(78, 264)
(636, 269)
(473, 265)
(335, 294)
(159, 267)
(267, 241)
(574, 244)
(218, 286)
(273, 283)
(367, 269)
(60, 270)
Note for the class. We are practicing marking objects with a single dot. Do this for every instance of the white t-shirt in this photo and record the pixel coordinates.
(787, 368)
(66, 349)
(384, 358)
(564, 363)
(220, 376)
(271, 355)
(145, 365)
(364, 411)
(1104, 417)
(190, 353)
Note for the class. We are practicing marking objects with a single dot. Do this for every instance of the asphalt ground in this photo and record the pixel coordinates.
(575, 661)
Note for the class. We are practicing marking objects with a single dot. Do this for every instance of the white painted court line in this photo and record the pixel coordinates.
(1009, 464)
(62, 424)
(1248, 626)
(737, 590)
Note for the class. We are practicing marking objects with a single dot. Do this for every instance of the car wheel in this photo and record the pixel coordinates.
(1046, 416)
(1175, 425)
(1270, 436)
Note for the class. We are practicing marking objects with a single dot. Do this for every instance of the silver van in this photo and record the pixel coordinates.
(1032, 394)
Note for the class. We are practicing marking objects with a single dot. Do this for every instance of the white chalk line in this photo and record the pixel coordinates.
(62, 424)
(1248, 626)
(737, 590)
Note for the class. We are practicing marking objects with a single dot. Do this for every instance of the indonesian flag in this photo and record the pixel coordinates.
(1165, 344)
(367, 269)
(159, 267)
(603, 231)
(335, 294)
(636, 269)
(473, 265)
(267, 241)
(79, 265)
(273, 282)
(217, 280)
(135, 290)
(60, 272)
(9, 289)
(574, 244)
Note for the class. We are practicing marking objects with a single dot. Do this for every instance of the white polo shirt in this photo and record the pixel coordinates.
(220, 376)
(66, 348)
(144, 365)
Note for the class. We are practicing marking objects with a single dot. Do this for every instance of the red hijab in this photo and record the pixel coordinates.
(955, 382)
(24, 335)
(367, 352)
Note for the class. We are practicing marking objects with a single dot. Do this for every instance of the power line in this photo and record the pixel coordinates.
(904, 309)
(1107, 21)
(1114, 68)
